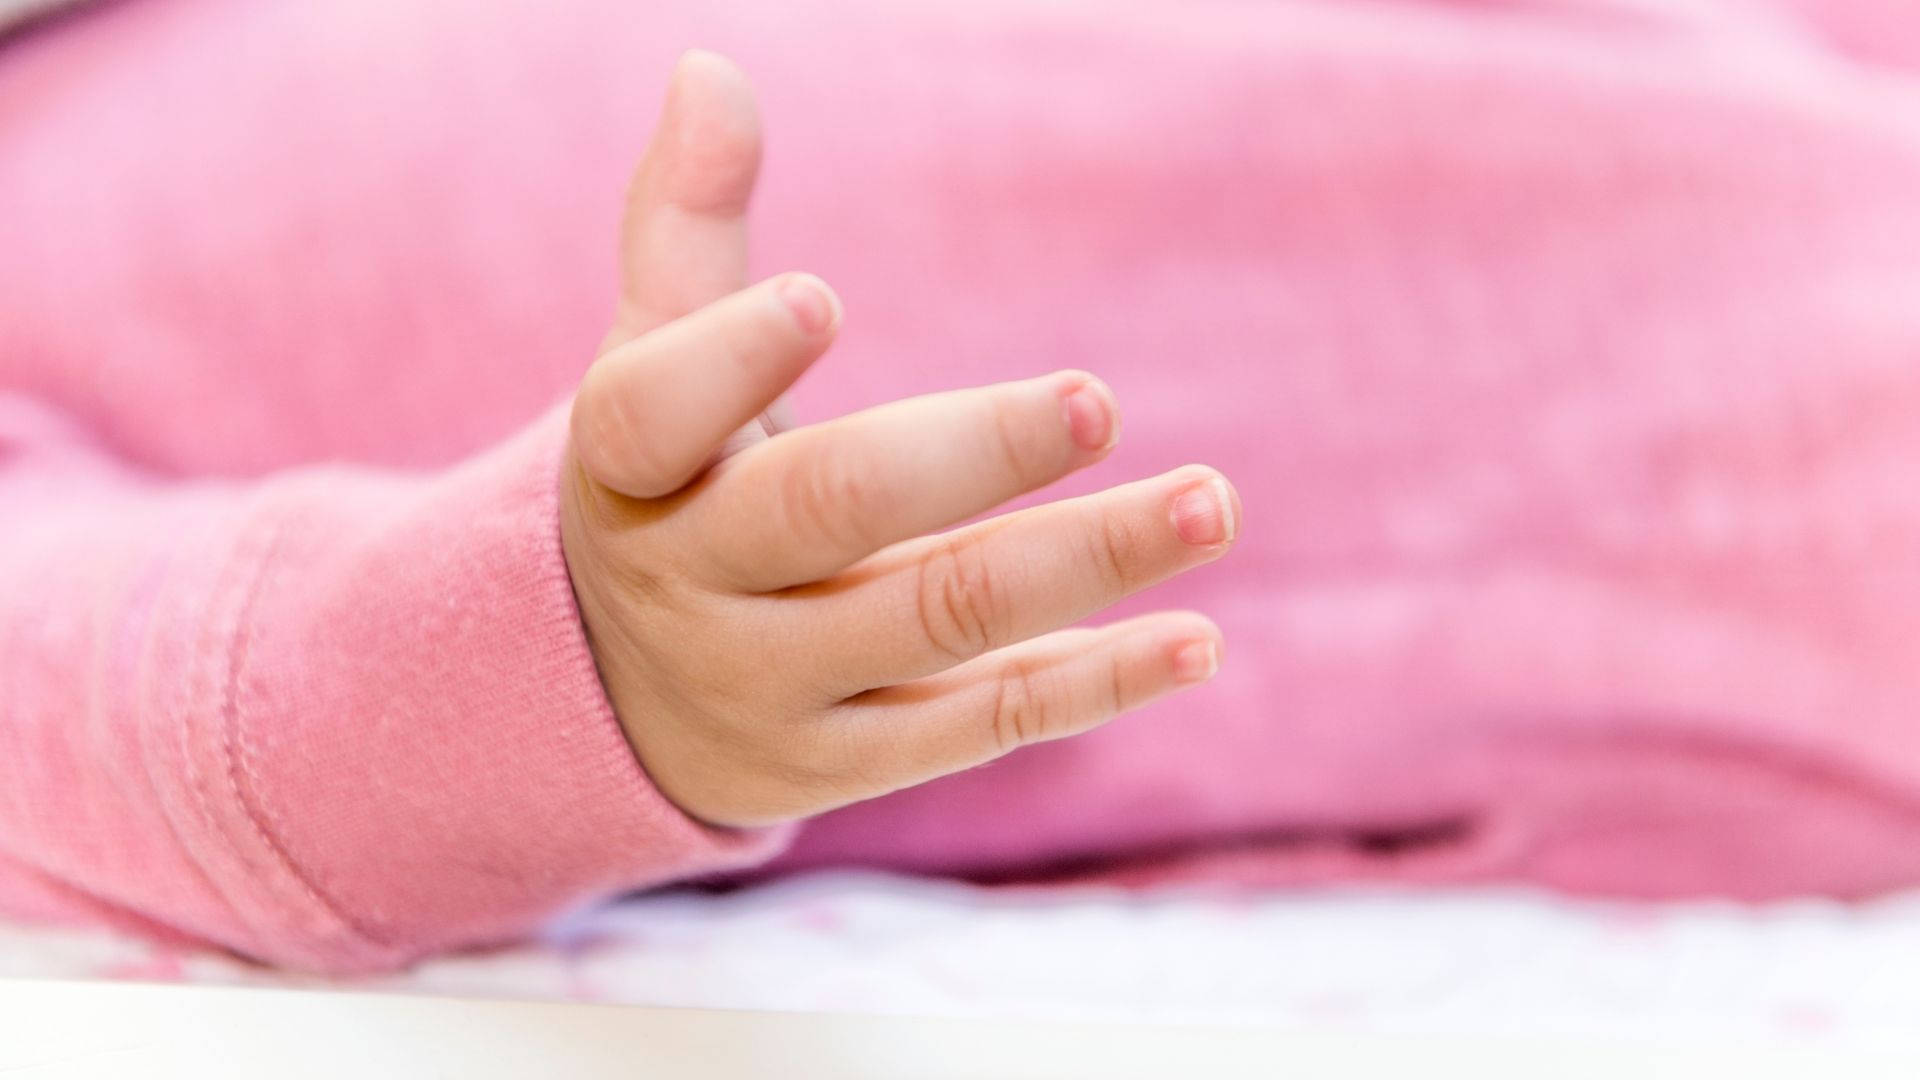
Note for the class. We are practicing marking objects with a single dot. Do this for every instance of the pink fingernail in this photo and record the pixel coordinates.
(814, 306)
(1091, 416)
(1203, 514)
(1196, 661)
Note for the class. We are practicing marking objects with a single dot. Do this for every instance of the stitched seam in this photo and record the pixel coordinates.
(241, 774)
(194, 679)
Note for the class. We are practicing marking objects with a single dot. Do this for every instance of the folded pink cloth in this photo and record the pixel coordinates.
(1566, 353)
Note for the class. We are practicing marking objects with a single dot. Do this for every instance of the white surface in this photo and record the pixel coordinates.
(90, 1031)
(1502, 964)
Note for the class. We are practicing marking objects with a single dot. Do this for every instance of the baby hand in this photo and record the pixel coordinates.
(779, 629)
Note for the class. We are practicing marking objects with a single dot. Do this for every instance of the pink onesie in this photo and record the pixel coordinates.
(1566, 354)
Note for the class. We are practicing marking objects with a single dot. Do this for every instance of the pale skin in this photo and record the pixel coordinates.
(780, 625)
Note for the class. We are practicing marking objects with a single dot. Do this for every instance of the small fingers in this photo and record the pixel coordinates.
(1053, 687)
(683, 240)
(651, 413)
(810, 503)
(924, 606)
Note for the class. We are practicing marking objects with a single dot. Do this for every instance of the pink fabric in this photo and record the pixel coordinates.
(1567, 355)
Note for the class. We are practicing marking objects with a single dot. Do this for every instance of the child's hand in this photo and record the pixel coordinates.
(778, 633)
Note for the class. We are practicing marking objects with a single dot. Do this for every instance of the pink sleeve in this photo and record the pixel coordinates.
(335, 719)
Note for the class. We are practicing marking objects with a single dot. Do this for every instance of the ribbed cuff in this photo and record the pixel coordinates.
(415, 728)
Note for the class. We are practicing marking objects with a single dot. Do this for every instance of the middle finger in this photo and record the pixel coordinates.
(924, 606)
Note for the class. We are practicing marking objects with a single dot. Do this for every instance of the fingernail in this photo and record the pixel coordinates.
(814, 306)
(1203, 514)
(1196, 661)
(1091, 416)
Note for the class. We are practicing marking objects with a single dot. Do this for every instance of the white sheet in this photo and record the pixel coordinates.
(1507, 962)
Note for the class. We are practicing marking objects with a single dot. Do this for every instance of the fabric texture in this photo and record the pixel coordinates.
(336, 719)
(1563, 352)
(1361, 962)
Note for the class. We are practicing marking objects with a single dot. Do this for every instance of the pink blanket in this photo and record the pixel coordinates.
(1566, 355)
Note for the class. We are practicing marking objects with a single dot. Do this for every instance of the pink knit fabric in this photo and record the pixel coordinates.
(1566, 353)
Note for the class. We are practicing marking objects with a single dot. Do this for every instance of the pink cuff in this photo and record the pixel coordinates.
(414, 727)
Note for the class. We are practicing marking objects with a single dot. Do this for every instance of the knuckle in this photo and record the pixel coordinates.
(833, 498)
(1013, 441)
(1019, 711)
(959, 599)
(623, 448)
(1110, 546)
(805, 762)
(859, 762)
(646, 469)
(828, 765)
